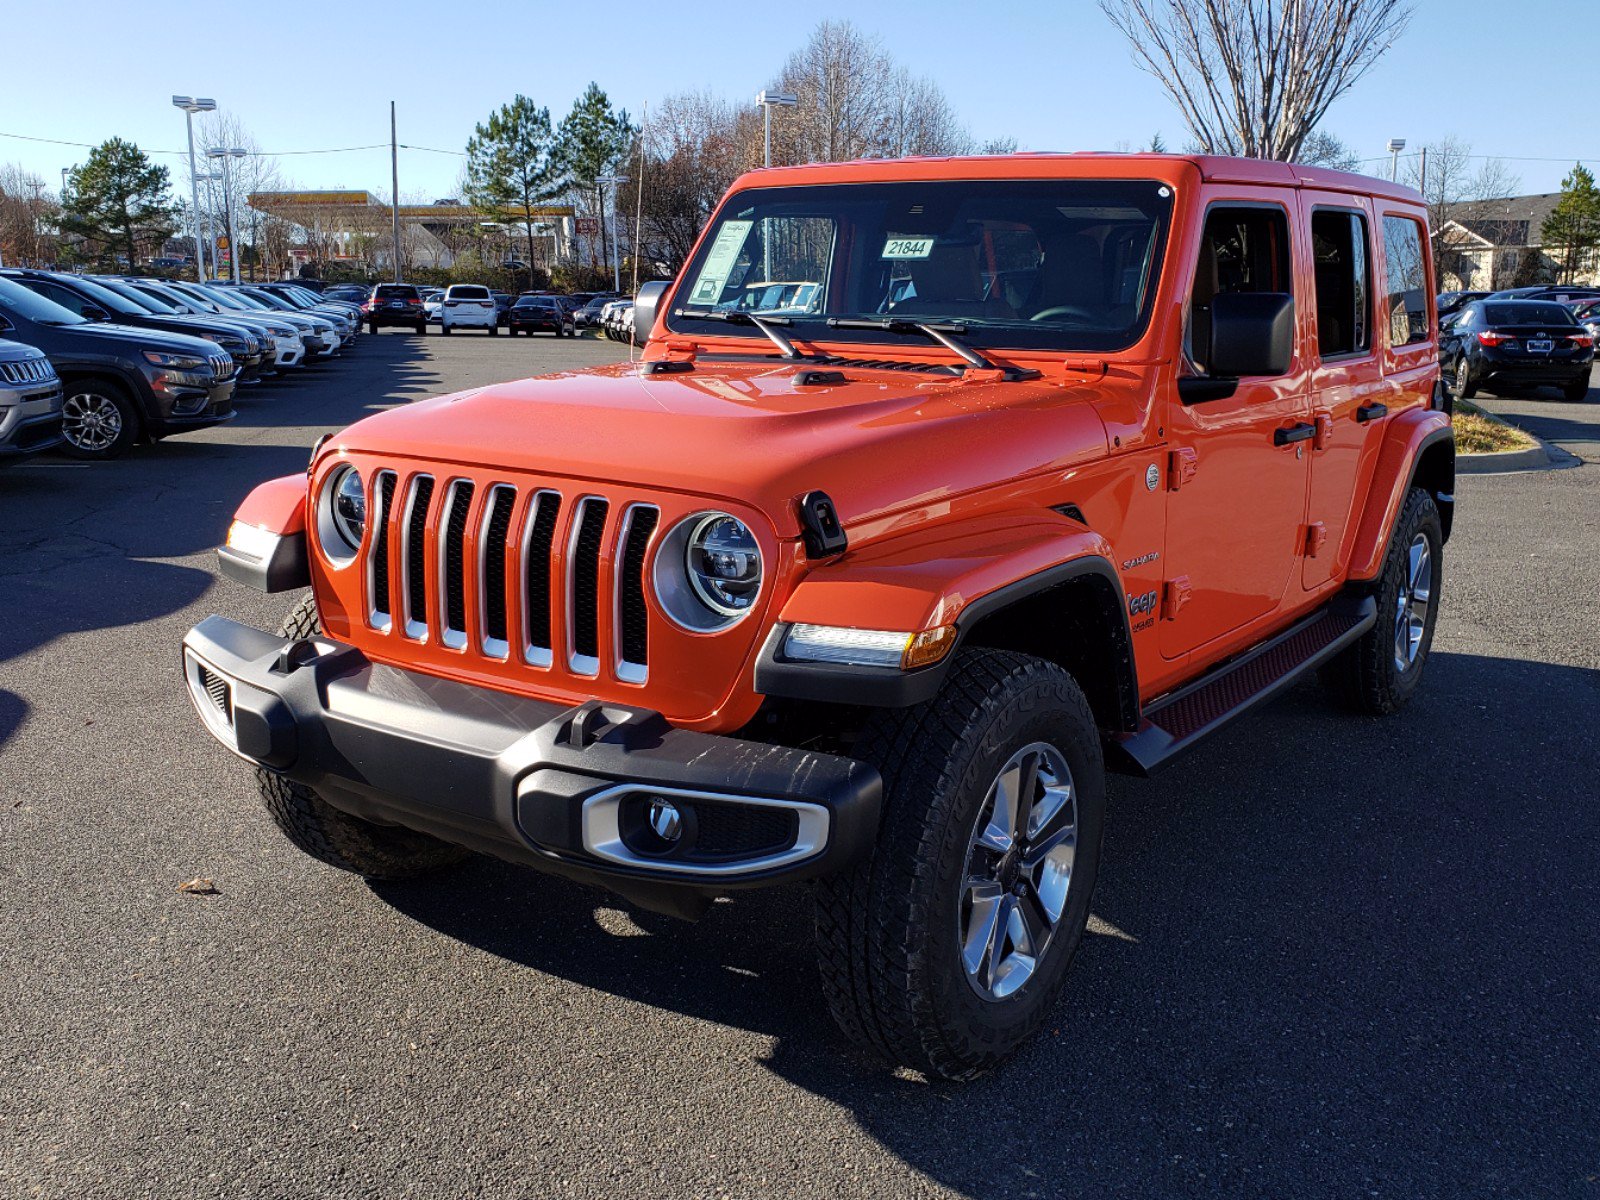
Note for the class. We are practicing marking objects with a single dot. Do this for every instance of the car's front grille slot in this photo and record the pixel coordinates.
(513, 573)
(537, 570)
(588, 534)
(492, 578)
(416, 566)
(382, 601)
(27, 370)
(452, 565)
(633, 617)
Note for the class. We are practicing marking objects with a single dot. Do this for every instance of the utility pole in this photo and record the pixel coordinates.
(394, 183)
(1422, 174)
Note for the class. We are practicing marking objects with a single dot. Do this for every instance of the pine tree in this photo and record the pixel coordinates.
(118, 199)
(593, 141)
(1572, 229)
(511, 162)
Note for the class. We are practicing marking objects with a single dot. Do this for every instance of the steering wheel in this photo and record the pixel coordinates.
(1065, 310)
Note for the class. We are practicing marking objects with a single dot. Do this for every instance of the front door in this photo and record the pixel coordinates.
(1236, 478)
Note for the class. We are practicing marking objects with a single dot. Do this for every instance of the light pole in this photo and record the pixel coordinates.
(203, 220)
(614, 182)
(1395, 146)
(190, 106)
(769, 101)
(225, 153)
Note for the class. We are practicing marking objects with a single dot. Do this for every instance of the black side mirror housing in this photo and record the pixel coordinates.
(91, 313)
(646, 307)
(1252, 333)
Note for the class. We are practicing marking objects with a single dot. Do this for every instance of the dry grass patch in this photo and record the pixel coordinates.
(1479, 433)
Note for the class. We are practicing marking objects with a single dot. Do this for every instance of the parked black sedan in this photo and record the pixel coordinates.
(1450, 303)
(1517, 344)
(531, 314)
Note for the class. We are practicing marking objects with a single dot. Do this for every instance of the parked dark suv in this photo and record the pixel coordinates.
(30, 402)
(94, 302)
(395, 304)
(121, 383)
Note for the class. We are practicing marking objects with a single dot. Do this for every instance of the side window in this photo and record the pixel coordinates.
(1344, 301)
(1241, 250)
(1406, 304)
(59, 295)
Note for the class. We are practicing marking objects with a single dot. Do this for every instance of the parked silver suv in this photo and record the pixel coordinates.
(30, 402)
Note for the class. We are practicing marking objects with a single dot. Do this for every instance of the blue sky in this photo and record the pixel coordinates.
(1053, 74)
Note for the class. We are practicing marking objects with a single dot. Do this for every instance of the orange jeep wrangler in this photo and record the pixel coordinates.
(1030, 467)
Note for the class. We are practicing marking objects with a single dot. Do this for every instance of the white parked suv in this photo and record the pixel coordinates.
(468, 306)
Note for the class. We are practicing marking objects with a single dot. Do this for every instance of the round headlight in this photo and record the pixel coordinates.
(724, 564)
(708, 571)
(347, 505)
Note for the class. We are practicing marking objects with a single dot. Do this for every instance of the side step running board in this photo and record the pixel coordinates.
(1176, 722)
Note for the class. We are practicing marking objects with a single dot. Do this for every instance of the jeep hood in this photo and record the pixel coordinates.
(881, 441)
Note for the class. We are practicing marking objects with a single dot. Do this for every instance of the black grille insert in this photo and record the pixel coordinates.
(585, 615)
(536, 590)
(502, 500)
(381, 603)
(631, 606)
(416, 567)
(455, 540)
(221, 694)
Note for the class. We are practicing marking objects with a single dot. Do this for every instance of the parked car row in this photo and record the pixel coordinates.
(616, 318)
(464, 306)
(1519, 339)
(131, 358)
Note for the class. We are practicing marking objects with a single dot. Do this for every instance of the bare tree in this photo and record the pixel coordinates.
(1323, 149)
(1452, 181)
(29, 217)
(1254, 77)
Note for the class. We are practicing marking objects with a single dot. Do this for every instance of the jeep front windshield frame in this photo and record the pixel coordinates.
(1060, 264)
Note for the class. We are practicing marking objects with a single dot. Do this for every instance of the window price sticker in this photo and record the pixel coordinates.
(720, 262)
(904, 247)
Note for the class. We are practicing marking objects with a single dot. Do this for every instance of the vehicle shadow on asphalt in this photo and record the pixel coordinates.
(407, 370)
(1330, 955)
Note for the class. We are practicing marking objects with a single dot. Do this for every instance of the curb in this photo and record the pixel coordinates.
(1534, 458)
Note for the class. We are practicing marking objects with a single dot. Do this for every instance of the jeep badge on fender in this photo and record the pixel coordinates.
(862, 576)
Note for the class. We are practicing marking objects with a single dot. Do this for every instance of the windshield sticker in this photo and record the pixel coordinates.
(719, 262)
(904, 247)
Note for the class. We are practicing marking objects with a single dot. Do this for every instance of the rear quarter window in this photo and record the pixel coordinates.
(1406, 303)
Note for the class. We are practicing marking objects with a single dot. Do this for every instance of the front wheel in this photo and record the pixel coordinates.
(335, 837)
(98, 419)
(948, 948)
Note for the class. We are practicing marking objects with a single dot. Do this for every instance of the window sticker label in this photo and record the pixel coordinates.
(720, 261)
(908, 247)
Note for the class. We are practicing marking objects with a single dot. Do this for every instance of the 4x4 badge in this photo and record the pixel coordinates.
(1152, 477)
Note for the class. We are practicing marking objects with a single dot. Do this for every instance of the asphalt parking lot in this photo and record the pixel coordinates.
(1330, 957)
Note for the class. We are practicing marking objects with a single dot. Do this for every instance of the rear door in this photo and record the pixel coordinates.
(1350, 396)
(1236, 480)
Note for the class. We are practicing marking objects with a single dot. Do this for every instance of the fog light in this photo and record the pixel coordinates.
(665, 819)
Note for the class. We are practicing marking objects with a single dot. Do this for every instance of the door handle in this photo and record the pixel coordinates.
(1294, 433)
(1371, 412)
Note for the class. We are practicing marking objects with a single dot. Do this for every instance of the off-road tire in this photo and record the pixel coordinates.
(104, 391)
(1462, 385)
(334, 837)
(1365, 677)
(888, 936)
(1578, 390)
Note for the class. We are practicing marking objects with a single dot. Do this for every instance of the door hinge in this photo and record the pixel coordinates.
(1316, 538)
(1174, 596)
(1324, 434)
(1181, 466)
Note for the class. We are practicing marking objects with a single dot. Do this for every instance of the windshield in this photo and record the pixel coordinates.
(1058, 264)
(1528, 313)
(28, 304)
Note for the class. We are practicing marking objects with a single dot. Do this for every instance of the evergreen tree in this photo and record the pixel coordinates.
(118, 199)
(1572, 230)
(594, 141)
(511, 162)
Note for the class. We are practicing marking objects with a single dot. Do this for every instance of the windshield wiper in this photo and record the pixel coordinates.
(733, 316)
(943, 332)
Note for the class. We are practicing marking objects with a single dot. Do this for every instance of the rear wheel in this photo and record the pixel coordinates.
(335, 837)
(948, 948)
(421, 327)
(1462, 385)
(494, 330)
(1382, 670)
(1578, 389)
(98, 419)
(445, 329)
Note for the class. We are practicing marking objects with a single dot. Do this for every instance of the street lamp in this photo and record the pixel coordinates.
(225, 153)
(191, 106)
(768, 101)
(1395, 146)
(614, 182)
(203, 219)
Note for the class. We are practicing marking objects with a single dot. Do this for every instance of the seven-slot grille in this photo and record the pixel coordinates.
(221, 365)
(27, 370)
(506, 556)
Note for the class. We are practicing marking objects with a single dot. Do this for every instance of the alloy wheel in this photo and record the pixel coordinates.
(1019, 871)
(1411, 603)
(91, 421)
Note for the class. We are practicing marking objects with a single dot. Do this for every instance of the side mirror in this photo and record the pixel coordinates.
(91, 313)
(6, 326)
(1252, 333)
(645, 309)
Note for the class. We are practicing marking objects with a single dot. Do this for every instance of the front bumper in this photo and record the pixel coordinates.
(562, 789)
(30, 425)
